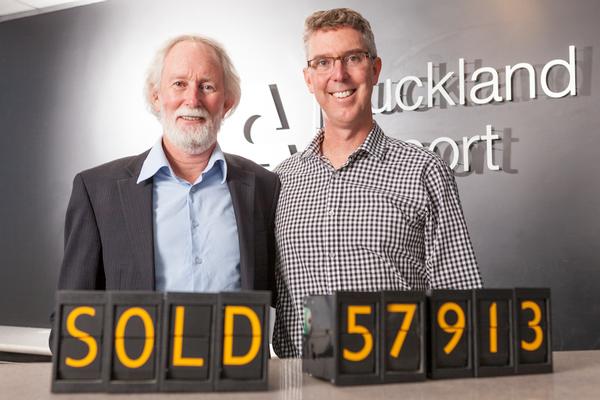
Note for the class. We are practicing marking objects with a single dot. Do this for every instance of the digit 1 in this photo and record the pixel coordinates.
(493, 328)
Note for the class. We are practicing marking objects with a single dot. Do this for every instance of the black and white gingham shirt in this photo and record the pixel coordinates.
(388, 219)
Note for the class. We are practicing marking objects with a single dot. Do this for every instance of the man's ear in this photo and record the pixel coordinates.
(308, 80)
(155, 101)
(376, 70)
(227, 106)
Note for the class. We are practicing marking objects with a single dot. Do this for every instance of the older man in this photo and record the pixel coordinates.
(183, 216)
(359, 210)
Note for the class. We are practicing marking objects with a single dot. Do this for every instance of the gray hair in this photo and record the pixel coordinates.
(230, 77)
(339, 18)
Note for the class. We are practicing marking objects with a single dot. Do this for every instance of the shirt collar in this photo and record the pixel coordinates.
(314, 147)
(217, 158)
(374, 144)
(156, 160)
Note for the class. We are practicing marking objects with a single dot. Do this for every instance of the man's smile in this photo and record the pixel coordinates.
(343, 94)
(191, 118)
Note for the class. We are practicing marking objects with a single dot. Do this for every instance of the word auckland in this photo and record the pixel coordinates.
(484, 92)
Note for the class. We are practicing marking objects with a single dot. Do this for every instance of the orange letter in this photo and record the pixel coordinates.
(228, 357)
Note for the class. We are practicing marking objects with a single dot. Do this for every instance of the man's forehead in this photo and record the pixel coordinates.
(190, 52)
(335, 40)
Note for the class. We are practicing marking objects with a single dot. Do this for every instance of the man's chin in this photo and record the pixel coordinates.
(194, 150)
(188, 125)
(187, 145)
(192, 140)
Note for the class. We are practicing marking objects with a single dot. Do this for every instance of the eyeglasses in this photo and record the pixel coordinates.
(351, 60)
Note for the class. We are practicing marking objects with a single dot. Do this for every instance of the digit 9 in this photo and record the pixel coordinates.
(457, 329)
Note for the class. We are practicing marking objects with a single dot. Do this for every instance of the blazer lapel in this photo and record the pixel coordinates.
(136, 201)
(241, 187)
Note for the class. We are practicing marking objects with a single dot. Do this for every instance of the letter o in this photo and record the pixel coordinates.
(120, 337)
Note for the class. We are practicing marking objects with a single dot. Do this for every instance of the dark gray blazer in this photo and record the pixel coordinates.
(109, 241)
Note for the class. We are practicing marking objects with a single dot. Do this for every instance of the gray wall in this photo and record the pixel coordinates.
(70, 98)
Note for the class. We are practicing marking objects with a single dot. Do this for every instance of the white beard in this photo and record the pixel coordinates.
(191, 140)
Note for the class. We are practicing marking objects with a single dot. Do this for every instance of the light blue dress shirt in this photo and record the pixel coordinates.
(196, 246)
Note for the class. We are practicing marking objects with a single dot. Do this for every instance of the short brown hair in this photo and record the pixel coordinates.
(339, 18)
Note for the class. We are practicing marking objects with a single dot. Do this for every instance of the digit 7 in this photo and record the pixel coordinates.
(409, 310)
(403, 327)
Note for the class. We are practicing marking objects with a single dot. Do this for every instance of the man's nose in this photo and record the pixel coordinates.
(338, 71)
(192, 96)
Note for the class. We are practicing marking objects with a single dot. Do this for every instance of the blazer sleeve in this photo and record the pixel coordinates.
(82, 267)
(271, 242)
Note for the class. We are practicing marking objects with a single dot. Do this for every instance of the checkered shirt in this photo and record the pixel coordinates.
(389, 219)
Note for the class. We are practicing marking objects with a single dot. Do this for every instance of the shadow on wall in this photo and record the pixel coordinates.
(476, 86)
(478, 161)
(530, 83)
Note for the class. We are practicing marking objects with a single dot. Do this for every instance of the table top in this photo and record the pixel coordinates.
(576, 376)
(16, 339)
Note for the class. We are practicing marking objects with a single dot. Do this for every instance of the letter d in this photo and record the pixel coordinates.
(228, 357)
(571, 88)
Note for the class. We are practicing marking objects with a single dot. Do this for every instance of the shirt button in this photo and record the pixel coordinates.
(198, 260)
(195, 224)
(331, 212)
(332, 255)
